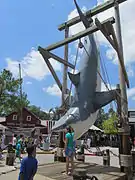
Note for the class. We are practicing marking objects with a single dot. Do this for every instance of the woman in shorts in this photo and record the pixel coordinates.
(69, 149)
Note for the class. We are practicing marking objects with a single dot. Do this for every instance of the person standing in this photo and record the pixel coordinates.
(18, 150)
(29, 165)
(88, 142)
(14, 141)
(69, 149)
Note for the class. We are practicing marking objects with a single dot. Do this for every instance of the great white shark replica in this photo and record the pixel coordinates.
(88, 98)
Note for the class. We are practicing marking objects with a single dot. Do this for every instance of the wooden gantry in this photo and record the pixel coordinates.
(105, 27)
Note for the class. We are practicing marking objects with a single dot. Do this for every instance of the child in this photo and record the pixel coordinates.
(18, 150)
(28, 167)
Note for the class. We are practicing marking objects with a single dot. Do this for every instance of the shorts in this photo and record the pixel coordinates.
(69, 152)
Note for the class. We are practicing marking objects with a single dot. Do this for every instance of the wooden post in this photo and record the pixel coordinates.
(64, 87)
(118, 98)
(64, 91)
(126, 154)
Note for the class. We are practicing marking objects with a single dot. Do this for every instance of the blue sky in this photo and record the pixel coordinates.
(27, 24)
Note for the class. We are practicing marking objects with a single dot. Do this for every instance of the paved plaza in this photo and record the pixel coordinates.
(7, 172)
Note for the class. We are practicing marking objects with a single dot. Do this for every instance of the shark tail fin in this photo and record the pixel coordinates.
(83, 17)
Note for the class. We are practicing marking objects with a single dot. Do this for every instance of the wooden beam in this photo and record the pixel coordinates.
(101, 27)
(114, 43)
(86, 32)
(93, 12)
(53, 72)
(120, 57)
(48, 55)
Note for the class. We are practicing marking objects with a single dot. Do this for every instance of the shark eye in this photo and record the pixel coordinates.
(86, 41)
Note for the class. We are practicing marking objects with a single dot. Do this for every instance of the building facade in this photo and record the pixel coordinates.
(30, 121)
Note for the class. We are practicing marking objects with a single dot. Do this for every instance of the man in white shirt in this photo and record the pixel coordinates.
(14, 141)
(88, 143)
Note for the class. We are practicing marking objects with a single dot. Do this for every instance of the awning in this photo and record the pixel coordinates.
(94, 128)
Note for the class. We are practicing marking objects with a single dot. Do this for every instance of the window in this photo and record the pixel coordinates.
(132, 114)
(28, 118)
(14, 117)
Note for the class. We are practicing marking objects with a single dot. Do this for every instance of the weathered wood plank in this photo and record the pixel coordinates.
(48, 55)
(89, 13)
(86, 32)
(114, 43)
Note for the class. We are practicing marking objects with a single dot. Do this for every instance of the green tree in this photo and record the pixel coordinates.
(110, 125)
(38, 112)
(10, 95)
(102, 116)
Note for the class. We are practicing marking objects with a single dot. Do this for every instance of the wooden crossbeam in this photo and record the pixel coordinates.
(113, 41)
(48, 55)
(93, 12)
(53, 72)
(86, 32)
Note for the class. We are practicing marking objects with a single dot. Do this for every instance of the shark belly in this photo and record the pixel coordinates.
(72, 117)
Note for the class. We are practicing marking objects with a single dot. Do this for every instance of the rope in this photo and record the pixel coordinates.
(105, 75)
(76, 58)
(115, 103)
(113, 153)
(77, 52)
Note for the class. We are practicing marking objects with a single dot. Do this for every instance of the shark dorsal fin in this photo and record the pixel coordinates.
(75, 78)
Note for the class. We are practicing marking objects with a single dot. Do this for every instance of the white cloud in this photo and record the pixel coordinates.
(104, 88)
(53, 90)
(131, 92)
(28, 82)
(133, 98)
(74, 71)
(99, 2)
(33, 65)
(128, 25)
(130, 71)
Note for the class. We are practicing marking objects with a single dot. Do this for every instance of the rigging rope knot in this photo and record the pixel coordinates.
(80, 45)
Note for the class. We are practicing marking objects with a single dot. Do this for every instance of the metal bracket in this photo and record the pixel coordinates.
(124, 131)
(125, 160)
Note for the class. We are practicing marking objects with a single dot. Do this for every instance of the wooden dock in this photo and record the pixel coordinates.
(56, 171)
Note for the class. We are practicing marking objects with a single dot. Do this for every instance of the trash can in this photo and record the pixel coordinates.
(10, 159)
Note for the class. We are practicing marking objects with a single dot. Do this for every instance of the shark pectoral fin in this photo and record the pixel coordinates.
(75, 78)
(104, 98)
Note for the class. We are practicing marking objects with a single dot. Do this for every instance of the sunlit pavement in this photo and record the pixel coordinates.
(49, 158)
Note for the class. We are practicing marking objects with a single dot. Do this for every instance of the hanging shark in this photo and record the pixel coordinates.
(88, 98)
